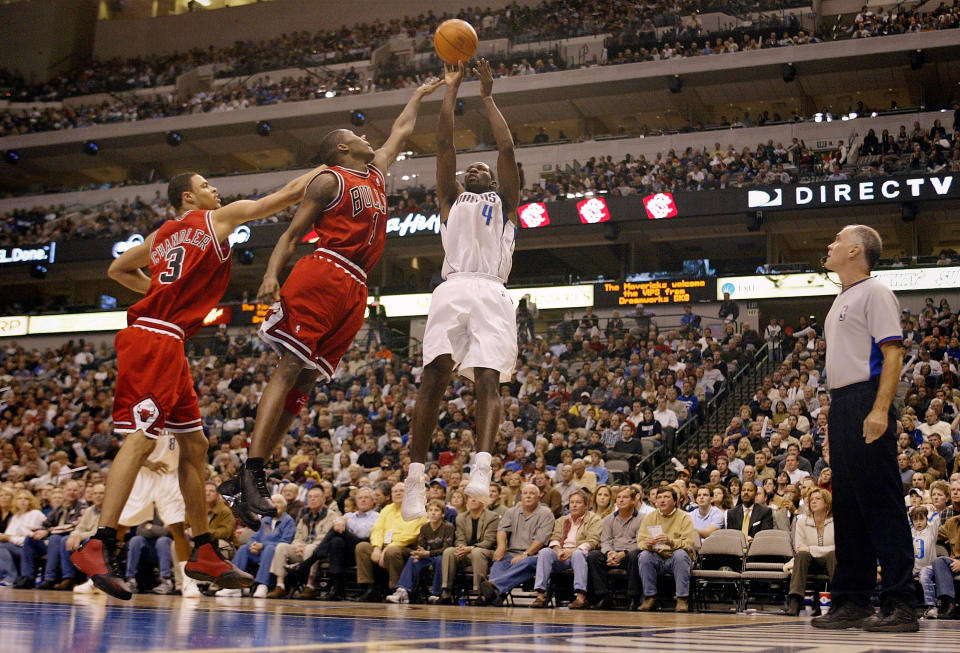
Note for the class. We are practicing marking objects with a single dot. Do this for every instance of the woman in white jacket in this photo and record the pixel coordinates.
(813, 544)
(26, 519)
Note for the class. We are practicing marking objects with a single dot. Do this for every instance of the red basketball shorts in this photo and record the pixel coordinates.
(321, 309)
(154, 386)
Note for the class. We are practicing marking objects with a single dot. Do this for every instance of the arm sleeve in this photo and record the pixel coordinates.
(883, 315)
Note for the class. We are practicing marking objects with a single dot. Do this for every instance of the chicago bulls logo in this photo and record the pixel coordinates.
(145, 414)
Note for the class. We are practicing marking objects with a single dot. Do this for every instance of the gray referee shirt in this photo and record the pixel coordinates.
(863, 317)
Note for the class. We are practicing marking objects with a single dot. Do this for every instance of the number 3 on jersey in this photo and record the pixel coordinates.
(174, 259)
(487, 212)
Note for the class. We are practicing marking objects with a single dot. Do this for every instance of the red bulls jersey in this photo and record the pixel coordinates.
(354, 224)
(189, 272)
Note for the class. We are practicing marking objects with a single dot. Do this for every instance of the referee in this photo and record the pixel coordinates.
(864, 357)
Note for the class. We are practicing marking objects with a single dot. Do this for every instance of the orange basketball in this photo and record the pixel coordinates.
(455, 41)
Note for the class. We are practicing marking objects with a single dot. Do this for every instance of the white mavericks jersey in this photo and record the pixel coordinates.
(477, 237)
(166, 451)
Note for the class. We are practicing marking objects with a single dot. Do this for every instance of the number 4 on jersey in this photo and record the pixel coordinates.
(487, 212)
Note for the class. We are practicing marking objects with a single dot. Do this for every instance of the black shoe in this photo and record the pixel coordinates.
(243, 513)
(490, 593)
(330, 596)
(847, 615)
(947, 607)
(24, 583)
(900, 618)
(603, 604)
(230, 487)
(793, 607)
(254, 492)
(369, 595)
(47, 585)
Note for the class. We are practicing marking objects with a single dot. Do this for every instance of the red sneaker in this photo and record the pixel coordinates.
(97, 563)
(207, 565)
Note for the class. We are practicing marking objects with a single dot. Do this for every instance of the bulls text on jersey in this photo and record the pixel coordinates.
(364, 197)
(187, 236)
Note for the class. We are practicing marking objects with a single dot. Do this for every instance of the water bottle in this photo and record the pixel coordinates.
(463, 598)
(808, 604)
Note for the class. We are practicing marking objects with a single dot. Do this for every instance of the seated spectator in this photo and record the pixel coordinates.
(523, 531)
(338, 546)
(665, 539)
(25, 518)
(574, 536)
(549, 495)
(924, 553)
(944, 568)
(707, 518)
(747, 516)
(391, 542)
(474, 541)
(582, 477)
(58, 526)
(813, 545)
(435, 537)
(151, 547)
(315, 521)
(618, 550)
(261, 547)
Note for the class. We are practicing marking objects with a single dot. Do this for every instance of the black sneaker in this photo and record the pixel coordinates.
(230, 487)
(847, 615)
(243, 513)
(899, 618)
(254, 493)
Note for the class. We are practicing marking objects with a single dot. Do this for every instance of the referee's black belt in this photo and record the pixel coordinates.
(871, 384)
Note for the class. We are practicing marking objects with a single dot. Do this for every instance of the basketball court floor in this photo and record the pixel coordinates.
(53, 621)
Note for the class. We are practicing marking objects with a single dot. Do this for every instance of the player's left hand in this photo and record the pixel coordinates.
(429, 86)
(483, 71)
(159, 467)
(875, 425)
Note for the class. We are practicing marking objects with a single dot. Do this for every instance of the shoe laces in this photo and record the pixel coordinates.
(260, 480)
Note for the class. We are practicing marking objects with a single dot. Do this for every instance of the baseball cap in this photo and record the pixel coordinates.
(916, 492)
(585, 394)
(439, 481)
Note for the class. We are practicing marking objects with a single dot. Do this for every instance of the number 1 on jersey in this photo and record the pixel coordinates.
(373, 230)
(487, 212)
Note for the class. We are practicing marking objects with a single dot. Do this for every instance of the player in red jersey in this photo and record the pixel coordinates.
(189, 262)
(321, 306)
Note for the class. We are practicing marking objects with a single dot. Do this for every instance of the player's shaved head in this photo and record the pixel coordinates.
(328, 153)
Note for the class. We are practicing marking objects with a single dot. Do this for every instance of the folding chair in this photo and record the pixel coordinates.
(718, 569)
(763, 576)
(619, 471)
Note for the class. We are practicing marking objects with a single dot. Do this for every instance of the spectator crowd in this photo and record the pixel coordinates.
(586, 392)
(633, 29)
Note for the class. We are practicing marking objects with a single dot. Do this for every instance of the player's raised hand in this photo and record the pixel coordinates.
(269, 292)
(483, 71)
(429, 86)
(453, 75)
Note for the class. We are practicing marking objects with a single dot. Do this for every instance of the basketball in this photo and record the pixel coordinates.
(455, 41)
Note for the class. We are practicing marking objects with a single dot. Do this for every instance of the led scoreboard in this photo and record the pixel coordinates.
(657, 291)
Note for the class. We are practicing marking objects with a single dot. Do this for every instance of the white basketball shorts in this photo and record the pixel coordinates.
(151, 488)
(473, 319)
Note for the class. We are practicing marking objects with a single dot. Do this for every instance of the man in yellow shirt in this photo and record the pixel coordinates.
(391, 542)
(665, 540)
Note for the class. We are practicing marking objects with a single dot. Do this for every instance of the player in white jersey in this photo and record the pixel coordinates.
(158, 485)
(471, 325)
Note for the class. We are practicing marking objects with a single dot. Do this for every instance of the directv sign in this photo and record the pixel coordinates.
(10, 255)
(843, 193)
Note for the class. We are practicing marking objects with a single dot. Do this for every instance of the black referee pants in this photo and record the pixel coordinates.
(870, 517)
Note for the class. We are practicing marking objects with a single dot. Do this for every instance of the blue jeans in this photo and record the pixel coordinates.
(652, 566)
(943, 577)
(547, 563)
(506, 576)
(265, 557)
(412, 570)
(9, 560)
(33, 550)
(58, 558)
(151, 552)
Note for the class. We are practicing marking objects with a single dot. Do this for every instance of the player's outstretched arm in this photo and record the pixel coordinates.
(316, 197)
(127, 269)
(403, 125)
(507, 171)
(448, 189)
(229, 217)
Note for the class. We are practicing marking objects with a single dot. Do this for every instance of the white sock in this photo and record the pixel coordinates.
(415, 471)
(483, 459)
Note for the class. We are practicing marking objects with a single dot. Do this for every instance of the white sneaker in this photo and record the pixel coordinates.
(260, 592)
(400, 596)
(414, 503)
(189, 589)
(229, 593)
(931, 613)
(86, 588)
(479, 485)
